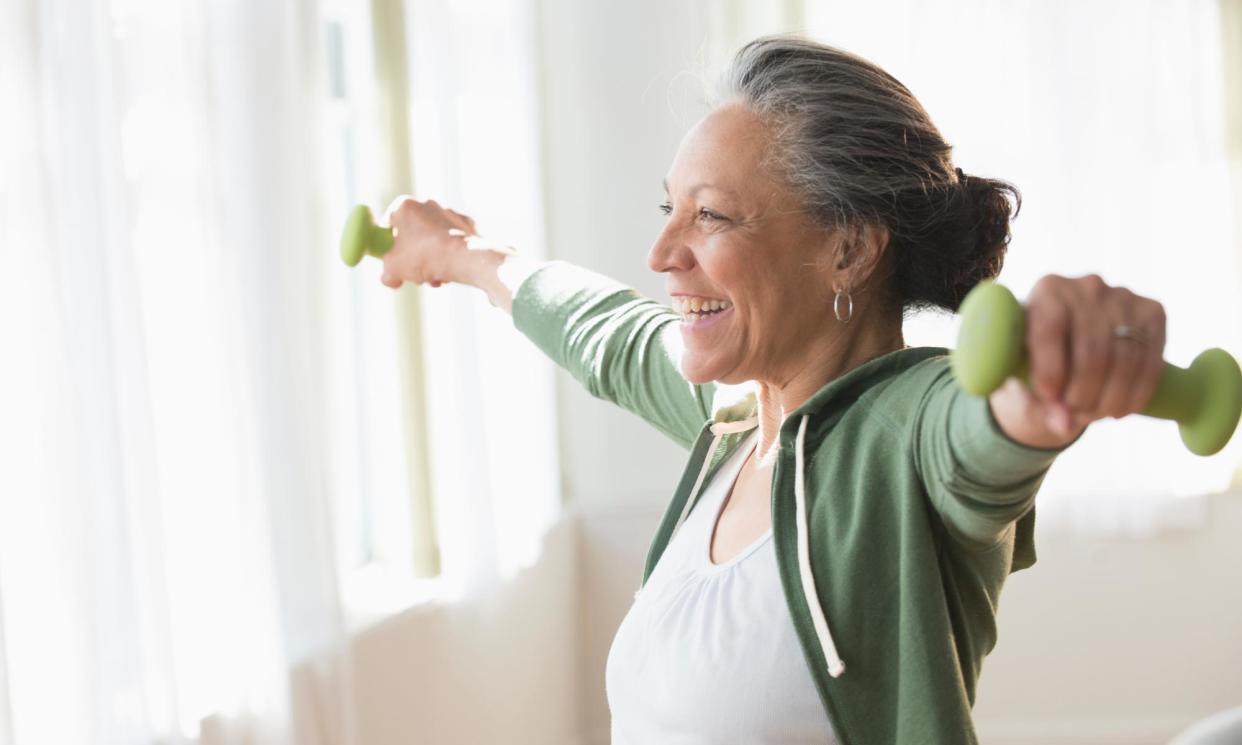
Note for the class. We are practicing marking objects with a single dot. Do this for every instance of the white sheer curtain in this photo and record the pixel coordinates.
(1108, 116)
(201, 437)
(165, 551)
(475, 138)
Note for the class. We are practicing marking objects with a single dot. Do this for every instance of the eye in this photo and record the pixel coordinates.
(704, 213)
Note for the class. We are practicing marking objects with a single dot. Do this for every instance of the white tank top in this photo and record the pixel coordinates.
(708, 652)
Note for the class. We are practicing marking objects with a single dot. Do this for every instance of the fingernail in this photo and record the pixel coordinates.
(1050, 420)
(1060, 420)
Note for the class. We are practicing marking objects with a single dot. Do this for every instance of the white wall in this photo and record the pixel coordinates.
(1119, 640)
(609, 137)
(502, 670)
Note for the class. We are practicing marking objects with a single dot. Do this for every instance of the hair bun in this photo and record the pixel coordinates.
(960, 240)
(987, 211)
(858, 148)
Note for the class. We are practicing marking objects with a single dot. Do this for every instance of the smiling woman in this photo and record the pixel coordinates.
(807, 213)
(736, 211)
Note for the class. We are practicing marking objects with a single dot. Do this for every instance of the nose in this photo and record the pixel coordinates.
(669, 252)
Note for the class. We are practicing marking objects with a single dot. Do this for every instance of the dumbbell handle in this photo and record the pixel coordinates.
(362, 236)
(1204, 399)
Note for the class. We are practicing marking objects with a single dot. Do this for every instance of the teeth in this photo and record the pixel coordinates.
(684, 306)
(693, 307)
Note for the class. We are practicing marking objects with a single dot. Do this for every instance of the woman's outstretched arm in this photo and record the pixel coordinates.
(983, 460)
(617, 343)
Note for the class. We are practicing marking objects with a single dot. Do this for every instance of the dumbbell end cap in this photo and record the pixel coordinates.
(990, 342)
(1211, 428)
(355, 235)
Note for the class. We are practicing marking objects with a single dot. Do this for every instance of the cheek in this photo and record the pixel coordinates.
(763, 277)
(778, 308)
(730, 266)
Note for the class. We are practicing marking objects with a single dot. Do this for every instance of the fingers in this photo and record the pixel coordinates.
(463, 221)
(1090, 344)
(400, 210)
(1150, 319)
(420, 248)
(1118, 389)
(1128, 356)
(391, 276)
(1048, 334)
(406, 210)
(395, 282)
(1080, 369)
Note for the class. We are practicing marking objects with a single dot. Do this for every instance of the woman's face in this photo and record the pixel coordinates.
(734, 234)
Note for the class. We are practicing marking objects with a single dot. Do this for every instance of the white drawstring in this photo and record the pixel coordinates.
(836, 666)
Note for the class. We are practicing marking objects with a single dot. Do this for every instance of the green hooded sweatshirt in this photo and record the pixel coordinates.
(899, 506)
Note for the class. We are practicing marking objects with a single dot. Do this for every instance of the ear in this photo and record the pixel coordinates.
(861, 249)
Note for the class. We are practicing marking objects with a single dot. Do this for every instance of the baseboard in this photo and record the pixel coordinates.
(1082, 731)
(1102, 731)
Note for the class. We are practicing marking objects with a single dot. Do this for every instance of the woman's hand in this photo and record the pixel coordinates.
(1095, 351)
(429, 243)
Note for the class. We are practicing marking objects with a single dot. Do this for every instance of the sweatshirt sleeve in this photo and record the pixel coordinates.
(979, 479)
(613, 341)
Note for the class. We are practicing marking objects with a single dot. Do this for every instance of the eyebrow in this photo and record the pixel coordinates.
(694, 189)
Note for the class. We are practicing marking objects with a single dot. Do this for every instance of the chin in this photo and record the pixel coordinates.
(694, 373)
(699, 380)
(701, 374)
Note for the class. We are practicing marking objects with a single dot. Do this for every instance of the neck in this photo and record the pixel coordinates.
(851, 345)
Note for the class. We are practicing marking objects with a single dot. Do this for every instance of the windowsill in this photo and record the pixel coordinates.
(377, 592)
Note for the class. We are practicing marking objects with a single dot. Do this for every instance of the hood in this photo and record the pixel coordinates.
(735, 408)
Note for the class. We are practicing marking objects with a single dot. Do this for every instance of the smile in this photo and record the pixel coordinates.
(688, 306)
(696, 322)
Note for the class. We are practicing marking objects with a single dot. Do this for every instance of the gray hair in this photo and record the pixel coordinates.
(858, 148)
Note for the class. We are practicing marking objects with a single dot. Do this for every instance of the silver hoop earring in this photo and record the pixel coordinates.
(849, 310)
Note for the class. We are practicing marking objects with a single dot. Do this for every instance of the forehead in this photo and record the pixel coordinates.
(724, 149)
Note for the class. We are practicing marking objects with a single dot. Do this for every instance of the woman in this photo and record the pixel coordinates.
(844, 498)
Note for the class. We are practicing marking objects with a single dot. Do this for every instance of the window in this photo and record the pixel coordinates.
(384, 528)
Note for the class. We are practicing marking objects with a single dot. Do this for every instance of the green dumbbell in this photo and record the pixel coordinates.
(1205, 399)
(362, 236)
